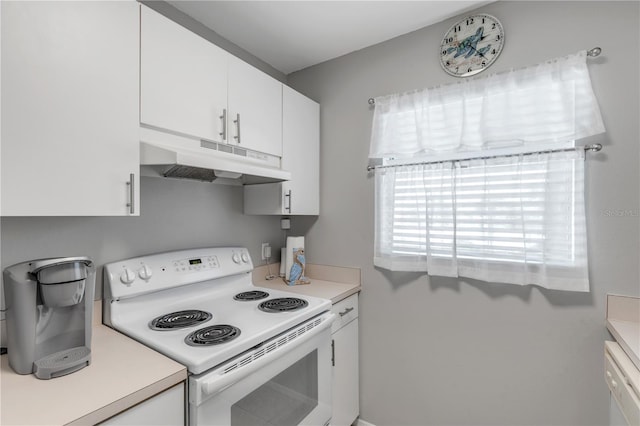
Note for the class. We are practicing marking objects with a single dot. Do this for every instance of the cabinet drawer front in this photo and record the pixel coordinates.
(621, 390)
(346, 310)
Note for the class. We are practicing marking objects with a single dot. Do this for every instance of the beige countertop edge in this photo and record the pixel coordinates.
(130, 400)
(623, 321)
(123, 373)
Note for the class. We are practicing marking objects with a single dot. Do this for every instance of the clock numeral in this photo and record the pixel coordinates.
(444, 52)
(470, 69)
(493, 51)
(498, 37)
(450, 40)
(457, 68)
(457, 28)
(470, 21)
(483, 20)
(493, 26)
(448, 63)
(484, 64)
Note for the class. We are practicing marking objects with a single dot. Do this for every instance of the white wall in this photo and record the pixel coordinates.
(447, 351)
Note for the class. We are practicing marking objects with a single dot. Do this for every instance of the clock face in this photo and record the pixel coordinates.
(471, 45)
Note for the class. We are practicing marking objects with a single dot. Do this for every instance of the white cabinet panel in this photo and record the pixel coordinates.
(70, 86)
(300, 156)
(255, 109)
(346, 388)
(166, 408)
(183, 79)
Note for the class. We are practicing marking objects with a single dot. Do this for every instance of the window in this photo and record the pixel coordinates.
(511, 218)
(516, 219)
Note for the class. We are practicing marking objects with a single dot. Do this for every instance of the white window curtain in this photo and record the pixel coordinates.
(547, 103)
(512, 218)
(515, 219)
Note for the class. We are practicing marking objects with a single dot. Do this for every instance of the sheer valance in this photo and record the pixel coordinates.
(546, 103)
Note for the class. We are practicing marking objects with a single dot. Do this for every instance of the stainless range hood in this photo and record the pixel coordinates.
(206, 161)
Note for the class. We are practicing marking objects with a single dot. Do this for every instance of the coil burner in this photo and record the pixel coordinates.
(212, 335)
(282, 304)
(251, 295)
(180, 319)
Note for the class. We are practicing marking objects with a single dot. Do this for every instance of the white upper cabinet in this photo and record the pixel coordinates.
(192, 87)
(70, 121)
(255, 108)
(300, 156)
(183, 80)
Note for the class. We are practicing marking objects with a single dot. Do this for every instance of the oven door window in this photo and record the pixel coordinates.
(284, 400)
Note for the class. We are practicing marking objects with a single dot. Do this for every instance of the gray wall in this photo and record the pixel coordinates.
(175, 214)
(455, 351)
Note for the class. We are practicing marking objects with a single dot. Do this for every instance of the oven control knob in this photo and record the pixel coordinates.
(236, 258)
(127, 276)
(245, 257)
(145, 272)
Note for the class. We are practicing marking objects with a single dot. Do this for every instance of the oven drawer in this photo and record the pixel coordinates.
(346, 311)
(623, 378)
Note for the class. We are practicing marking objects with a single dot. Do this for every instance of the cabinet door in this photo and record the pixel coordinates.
(301, 153)
(300, 156)
(166, 408)
(346, 406)
(69, 108)
(183, 79)
(256, 98)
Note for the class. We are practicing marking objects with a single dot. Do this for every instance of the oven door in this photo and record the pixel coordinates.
(284, 381)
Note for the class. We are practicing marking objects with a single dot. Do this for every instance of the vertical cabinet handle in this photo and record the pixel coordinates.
(237, 122)
(223, 117)
(333, 352)
(132, 193)
(288, 194)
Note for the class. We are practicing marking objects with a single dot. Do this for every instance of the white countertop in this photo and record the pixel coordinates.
(122, 374)
(623, 321)
(329, 282)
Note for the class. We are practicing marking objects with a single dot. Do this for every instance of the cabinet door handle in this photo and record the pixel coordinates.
(223, 117)
(288, 194)
(132, 193)
(333, 352)
(345, 312)
(237, 122)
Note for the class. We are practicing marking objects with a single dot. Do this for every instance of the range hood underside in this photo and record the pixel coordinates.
(201, 164)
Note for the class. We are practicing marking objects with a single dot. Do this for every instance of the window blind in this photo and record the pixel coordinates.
(517, 219)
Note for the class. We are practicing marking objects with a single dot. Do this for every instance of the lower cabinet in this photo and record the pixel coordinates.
(166, 408)
(346, 390)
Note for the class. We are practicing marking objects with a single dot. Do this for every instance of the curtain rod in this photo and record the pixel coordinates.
(592, 148)
(596, 51)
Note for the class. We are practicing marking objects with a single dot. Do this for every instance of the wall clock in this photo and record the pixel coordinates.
(471, 45)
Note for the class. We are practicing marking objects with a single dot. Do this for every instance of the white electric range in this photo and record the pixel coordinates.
(254, 355)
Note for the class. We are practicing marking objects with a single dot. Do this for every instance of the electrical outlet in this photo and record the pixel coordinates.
(265, 252)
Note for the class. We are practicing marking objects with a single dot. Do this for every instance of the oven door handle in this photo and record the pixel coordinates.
(227, 375)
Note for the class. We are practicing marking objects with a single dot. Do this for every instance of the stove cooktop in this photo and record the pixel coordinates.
(200, 323)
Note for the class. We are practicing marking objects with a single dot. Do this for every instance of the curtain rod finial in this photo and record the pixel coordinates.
(594, 52)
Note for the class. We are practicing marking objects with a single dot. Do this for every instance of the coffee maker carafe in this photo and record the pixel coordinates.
(49, 308)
